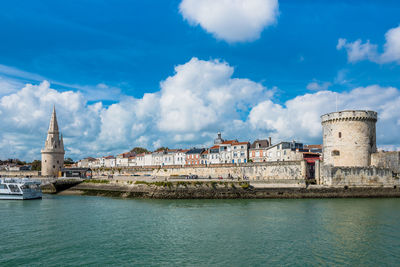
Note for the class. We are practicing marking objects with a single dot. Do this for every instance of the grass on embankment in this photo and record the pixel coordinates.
(213, 184)
(96, 181)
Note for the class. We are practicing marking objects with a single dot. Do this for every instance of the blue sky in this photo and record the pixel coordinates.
(110, 51)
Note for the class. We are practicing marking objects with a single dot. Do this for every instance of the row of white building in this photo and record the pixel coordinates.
(223, 151)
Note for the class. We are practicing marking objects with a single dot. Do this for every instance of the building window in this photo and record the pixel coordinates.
(58, 161)
(340, 134)
(54, 166)
(335, 153)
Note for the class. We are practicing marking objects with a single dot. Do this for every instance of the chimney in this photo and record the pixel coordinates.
(269, 141)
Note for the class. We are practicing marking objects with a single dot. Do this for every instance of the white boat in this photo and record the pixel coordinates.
(19, 188)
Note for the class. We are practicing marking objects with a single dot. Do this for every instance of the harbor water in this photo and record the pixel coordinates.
(96, 231)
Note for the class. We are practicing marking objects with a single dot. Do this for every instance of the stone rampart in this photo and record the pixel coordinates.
(294, 171)
(284, 170)
(358, 176)
(390, 160)
(19, 173)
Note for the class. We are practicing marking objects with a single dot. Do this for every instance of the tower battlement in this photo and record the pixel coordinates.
(350, 115)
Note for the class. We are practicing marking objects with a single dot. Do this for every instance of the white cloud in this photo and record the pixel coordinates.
(299, 118)
(392, 46)
(231, 20)
(358, 51)
(25, 116)
(203, 95)
(198, 100)
(318, 86)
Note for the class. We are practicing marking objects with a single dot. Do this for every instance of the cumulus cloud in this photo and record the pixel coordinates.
(198, 100)
(203, 95)
(358, 51)
(231, 20)
(299, 117)
(25, 115)
(317, 86)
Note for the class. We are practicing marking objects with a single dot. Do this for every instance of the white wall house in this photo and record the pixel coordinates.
(180, 157)
(109, 162)
(213, 155)
(148, 159)
(240, 152)
(132, 161)
(285, 151)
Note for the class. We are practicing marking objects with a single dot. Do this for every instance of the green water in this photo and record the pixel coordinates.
(77, 230)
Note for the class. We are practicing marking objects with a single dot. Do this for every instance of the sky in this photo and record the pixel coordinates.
(173, 73)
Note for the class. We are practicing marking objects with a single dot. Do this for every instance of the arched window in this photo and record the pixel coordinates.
(340, 134)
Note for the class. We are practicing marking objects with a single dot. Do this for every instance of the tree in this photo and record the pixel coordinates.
(19, 162)
(36, 165)
(139, 150)
(68, 161)
(161, 149)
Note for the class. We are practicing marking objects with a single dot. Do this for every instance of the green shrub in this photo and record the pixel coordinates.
(244, 185)
(141, 182)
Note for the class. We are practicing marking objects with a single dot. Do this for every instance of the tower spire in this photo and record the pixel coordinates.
(53, 152)
(53, 127)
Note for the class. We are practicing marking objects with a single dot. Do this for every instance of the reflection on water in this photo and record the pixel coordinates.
(68, 230)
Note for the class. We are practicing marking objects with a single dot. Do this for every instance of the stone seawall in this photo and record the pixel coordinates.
(285, 170)
(294, 171)
(19, 173)
(358, 176)
(227, 191)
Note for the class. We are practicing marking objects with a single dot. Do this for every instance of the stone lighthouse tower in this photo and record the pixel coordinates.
(53, 152)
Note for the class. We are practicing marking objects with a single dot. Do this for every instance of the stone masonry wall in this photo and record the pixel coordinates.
(349, 137)
(390, 160)
(294, 171)
(358, 176)
(19, 173)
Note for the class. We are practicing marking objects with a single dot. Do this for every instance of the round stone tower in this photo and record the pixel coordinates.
(53, 152)
(349, 137)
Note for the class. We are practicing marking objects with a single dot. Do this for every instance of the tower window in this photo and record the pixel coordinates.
(54, 166)
(340, 134)
(335, 153)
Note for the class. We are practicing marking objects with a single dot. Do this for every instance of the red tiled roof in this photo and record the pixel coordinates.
(240, 143)
(214, 147)
(229, 142)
